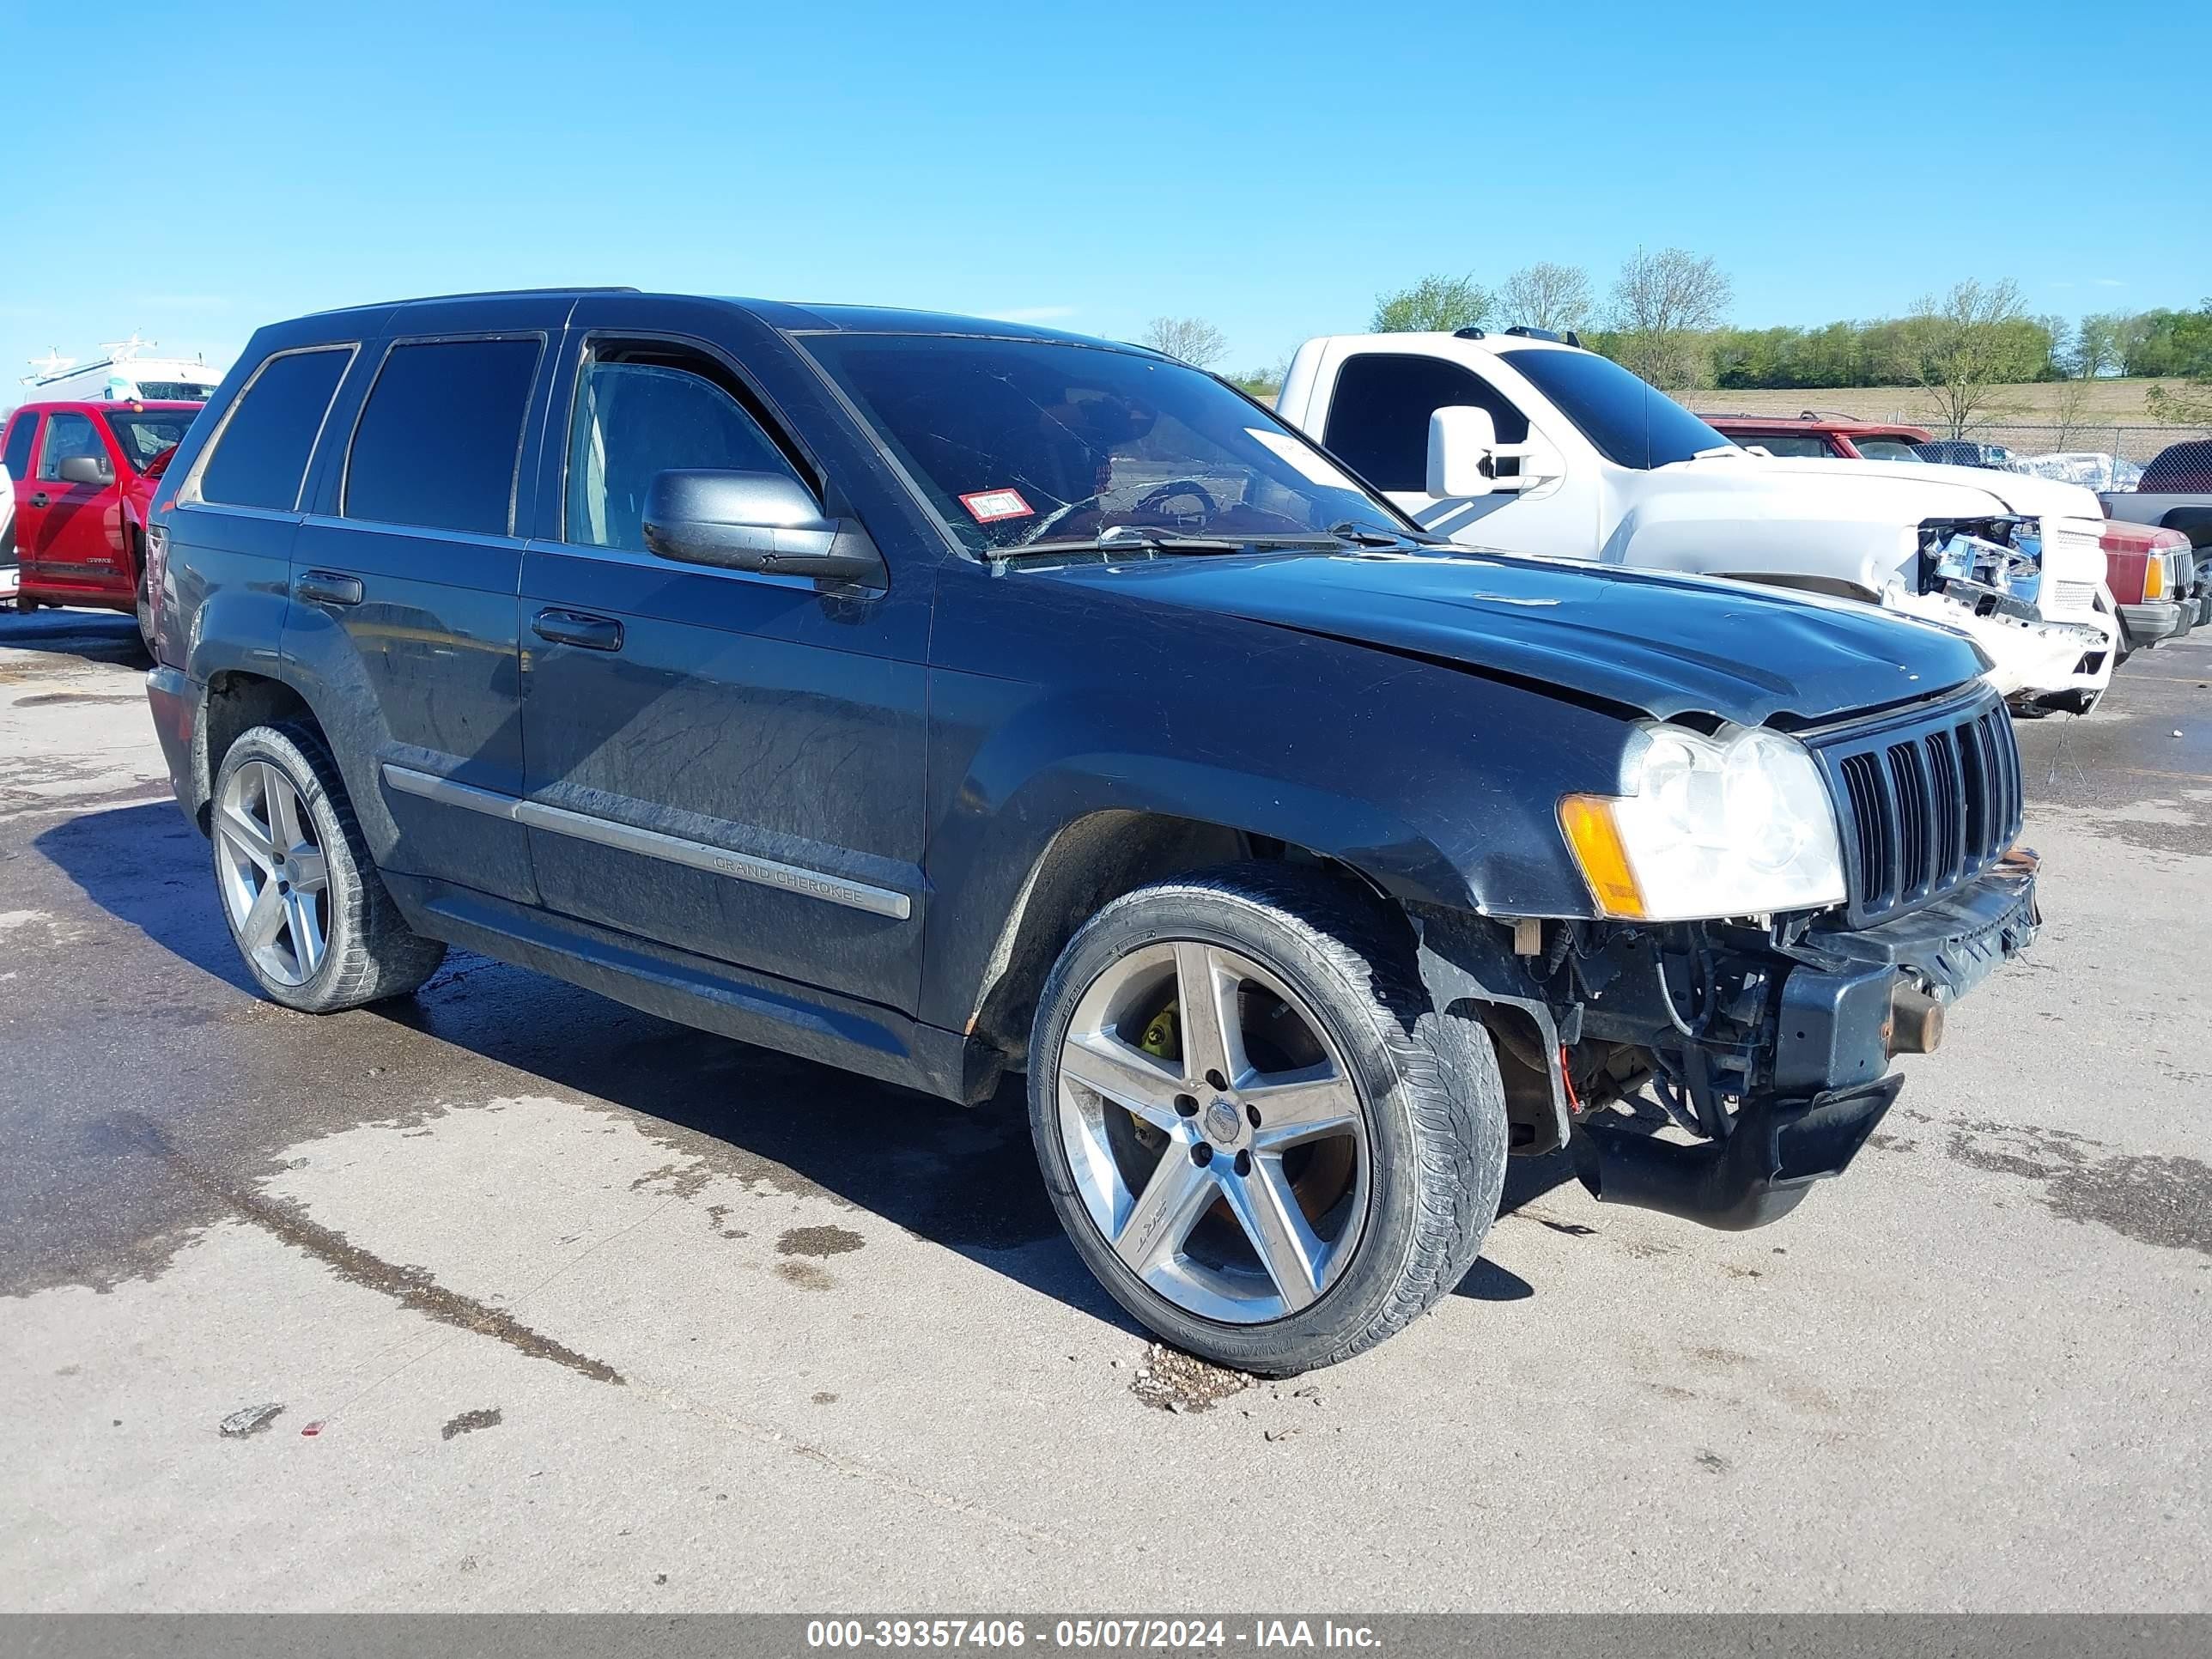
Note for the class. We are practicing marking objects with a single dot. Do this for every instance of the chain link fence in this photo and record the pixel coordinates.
(2134, 442)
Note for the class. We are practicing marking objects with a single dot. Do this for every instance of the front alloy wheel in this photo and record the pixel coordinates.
(1261, 1137)
(1227, 1167)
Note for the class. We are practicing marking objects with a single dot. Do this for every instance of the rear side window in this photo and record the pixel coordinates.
(439, 440)
(1378, 416)
(17, 457)
(261, 454)
(1786, 443)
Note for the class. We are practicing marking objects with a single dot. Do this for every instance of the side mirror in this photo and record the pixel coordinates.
(761, 522)
(86, 470)
(1462, 440)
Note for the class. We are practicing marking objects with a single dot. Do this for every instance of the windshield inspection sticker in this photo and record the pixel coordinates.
(990, 506)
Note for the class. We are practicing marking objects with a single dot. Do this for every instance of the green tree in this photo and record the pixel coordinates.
(1961, 346)
(2189, 404)
(1664, 304)
(2100, 344)
(1546, 296)
(1434, 305)
(2058, 353)
(1191, 339)
(2189, 338)
(1262, 384)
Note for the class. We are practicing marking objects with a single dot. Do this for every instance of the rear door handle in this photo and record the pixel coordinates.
(574, 627)
(39, 500)
(327, 587)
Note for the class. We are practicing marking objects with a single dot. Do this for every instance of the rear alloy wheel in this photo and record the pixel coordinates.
(309, 912)
(145, 609)
(1261, 1140)
(275, 882)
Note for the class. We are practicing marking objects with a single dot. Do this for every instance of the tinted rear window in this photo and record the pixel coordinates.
(1785, 443)
(2179, 469)
(438, 441)
(261, 454)
(1630, 422)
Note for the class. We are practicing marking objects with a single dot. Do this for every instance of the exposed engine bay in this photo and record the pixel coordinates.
(1994, 566)
(1984, 577)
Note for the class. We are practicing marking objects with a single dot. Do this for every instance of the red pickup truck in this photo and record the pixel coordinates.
(1814, 434)
(84, 477)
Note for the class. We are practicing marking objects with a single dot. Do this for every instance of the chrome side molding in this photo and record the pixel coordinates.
(653, 843)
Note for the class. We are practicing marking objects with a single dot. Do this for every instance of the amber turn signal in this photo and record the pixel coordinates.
(1588, 822)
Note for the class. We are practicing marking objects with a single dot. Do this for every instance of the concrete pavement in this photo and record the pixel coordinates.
(568, 1308)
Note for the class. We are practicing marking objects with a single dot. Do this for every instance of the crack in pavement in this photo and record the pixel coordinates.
(411, 1288)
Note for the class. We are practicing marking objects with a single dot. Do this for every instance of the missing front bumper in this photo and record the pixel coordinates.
(1838, 1024)
(1777, 1150)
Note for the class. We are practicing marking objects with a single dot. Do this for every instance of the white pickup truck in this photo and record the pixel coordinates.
(1526, 443)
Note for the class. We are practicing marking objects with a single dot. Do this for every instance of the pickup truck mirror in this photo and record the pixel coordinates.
(86, 470)
(761, 522)
(1461, 440)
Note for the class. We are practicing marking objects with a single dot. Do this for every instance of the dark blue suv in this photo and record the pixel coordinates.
(943, 699)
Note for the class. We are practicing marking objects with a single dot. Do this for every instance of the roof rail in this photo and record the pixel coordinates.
(1469, 334)
(481, 294)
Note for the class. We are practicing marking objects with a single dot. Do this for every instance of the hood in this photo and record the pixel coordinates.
(2013, 492)
(1662, 644)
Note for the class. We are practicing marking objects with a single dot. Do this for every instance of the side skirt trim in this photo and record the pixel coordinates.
(652, 843)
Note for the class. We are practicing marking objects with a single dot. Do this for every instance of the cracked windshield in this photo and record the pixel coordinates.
(1026, 443)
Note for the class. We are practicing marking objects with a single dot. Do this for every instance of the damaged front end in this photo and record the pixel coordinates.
(2047, 631)
(1714, 1070)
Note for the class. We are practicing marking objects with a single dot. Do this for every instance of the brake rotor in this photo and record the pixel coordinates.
(1321, 1171)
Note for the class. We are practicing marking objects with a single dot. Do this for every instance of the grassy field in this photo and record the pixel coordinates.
(2112, 403)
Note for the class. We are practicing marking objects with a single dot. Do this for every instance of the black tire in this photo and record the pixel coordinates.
(1429, 1083)
(371, 955)
(145, 607)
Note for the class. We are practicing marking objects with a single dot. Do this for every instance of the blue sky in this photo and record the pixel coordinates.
(1268, 167)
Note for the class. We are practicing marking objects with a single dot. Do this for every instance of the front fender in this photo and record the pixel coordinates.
(1438, 785)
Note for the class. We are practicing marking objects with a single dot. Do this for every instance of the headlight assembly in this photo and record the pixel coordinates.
(1736, 824)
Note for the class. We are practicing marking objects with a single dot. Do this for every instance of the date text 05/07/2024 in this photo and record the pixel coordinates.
(1132, 1634)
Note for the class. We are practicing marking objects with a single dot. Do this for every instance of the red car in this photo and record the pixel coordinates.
(1814, 434)
(84, 476)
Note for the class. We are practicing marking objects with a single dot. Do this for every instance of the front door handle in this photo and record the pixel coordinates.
(39, 500)
(574, 628)
(327, 587)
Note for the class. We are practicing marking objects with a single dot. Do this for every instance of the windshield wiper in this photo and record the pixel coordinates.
(1146, 538)
(1362, 535)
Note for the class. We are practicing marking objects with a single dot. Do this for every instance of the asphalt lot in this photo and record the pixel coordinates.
(568, 1308)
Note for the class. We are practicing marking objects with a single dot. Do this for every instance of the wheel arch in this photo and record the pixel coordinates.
(235, 700)
(1090, 862)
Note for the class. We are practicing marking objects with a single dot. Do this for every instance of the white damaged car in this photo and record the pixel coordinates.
(1527, 443)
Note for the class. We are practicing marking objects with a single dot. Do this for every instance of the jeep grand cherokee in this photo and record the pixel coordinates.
(946, 699)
